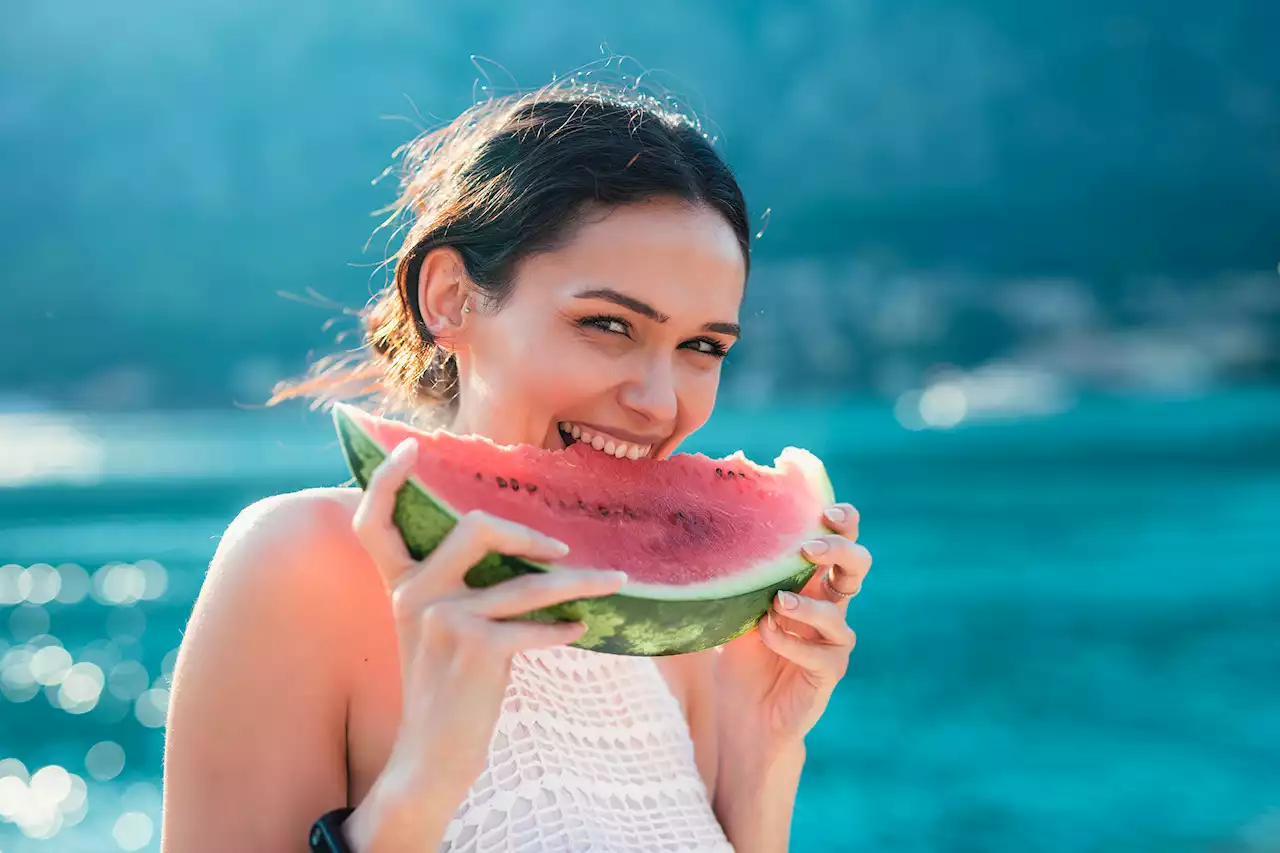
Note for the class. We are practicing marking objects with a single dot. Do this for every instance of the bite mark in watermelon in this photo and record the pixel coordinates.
(706, 543)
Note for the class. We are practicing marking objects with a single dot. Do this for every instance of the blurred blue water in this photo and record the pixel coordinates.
(1070, 640)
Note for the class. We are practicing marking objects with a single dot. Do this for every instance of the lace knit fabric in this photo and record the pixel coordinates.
(591, 754)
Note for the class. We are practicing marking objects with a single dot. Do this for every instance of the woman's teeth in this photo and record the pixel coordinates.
(605, 443)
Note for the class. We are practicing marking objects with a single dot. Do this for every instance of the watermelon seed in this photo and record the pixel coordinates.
(628, 511)
(719, 472)
(731, 475)
(604, 512)
(531, 488)
(479, 476)
(581, 504)
(515, 487)
(502, 484)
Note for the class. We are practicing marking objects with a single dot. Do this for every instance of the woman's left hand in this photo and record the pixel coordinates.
(776, 681)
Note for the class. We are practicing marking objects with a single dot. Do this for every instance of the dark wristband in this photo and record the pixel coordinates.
(326, 832)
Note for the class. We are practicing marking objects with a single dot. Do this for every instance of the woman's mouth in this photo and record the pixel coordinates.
(573, 433)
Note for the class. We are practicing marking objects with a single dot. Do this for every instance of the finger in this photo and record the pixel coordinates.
(536, 590)
(512, 637)
(475, 536)
(825, 618)
(826, 663)
(848, 564)
(372, 522)
(843, 519)
(445, 625)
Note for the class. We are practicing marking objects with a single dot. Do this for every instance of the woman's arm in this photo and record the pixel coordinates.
(753, 794)
(756, 794)
(255, 748)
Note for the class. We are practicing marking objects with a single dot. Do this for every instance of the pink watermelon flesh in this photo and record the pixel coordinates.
(682, 520)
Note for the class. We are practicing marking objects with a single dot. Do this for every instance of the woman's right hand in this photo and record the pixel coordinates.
(455, 650)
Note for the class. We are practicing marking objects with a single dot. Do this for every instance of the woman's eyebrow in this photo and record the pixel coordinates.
(646, 310)
(611, 295)
(731, 329)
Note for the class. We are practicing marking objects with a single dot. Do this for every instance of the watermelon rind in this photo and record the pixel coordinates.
(649, 620)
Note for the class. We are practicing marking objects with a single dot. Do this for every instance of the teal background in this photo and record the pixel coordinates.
(1015, 281)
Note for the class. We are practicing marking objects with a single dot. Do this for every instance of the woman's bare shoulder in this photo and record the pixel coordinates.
(261, 691)
(316, 515)
(301, 545)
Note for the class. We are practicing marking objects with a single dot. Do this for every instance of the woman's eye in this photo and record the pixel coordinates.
(614, 325)
(708, 346)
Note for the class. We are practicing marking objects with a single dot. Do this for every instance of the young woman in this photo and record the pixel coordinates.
(573, 270)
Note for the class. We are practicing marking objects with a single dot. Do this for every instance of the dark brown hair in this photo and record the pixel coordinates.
(511, 177)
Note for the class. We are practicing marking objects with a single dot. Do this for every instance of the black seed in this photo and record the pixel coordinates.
(515, 487)
(581, 504)
(628, 511)
(680, 515)
(731, 475)
(479, 476)
(719, 472)
(502, 484)
(604, 512)
(531, 488)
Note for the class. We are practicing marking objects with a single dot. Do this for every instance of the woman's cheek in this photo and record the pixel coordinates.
(698, 398)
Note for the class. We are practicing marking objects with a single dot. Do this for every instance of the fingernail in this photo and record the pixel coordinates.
(557, 546)
(405, 449)
(836, 515)
(788, 600)
(616, 576)
(815, 547)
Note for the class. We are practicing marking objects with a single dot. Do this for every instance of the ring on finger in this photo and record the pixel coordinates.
(832, 588)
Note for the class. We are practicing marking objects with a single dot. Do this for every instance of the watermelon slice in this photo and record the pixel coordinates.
(706, 543)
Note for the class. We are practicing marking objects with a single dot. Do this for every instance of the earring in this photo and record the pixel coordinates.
(466, 309)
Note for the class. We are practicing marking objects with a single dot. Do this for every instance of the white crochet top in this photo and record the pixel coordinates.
(591, 754)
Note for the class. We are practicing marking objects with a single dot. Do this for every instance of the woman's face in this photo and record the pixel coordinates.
(619, 335)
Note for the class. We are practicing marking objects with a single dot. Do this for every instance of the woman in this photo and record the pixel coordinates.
(575, 261)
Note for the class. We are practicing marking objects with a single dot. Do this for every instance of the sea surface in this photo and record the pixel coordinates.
(1070, 639)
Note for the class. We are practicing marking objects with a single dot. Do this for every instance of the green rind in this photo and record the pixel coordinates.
(619, 624)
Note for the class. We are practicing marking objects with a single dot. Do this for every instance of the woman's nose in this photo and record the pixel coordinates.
(652, 393)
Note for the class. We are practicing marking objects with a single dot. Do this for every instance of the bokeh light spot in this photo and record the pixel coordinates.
(74, 585)
(167, 665)
(943, 405)
(28, 620)
(14, 767)
(152, 708)
(104, 760)
(119, 583)
(128, 680)
(132, 831)
(50, 665)
(42, 583)
(155, 579)
(51, 783)
(10, 577)
(17, 681)
(13, 797)
(141, 797)
(81, 688)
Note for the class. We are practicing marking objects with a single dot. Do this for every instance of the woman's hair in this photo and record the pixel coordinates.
(509, 178)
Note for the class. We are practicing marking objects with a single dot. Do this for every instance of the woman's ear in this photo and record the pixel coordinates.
(443, 294)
